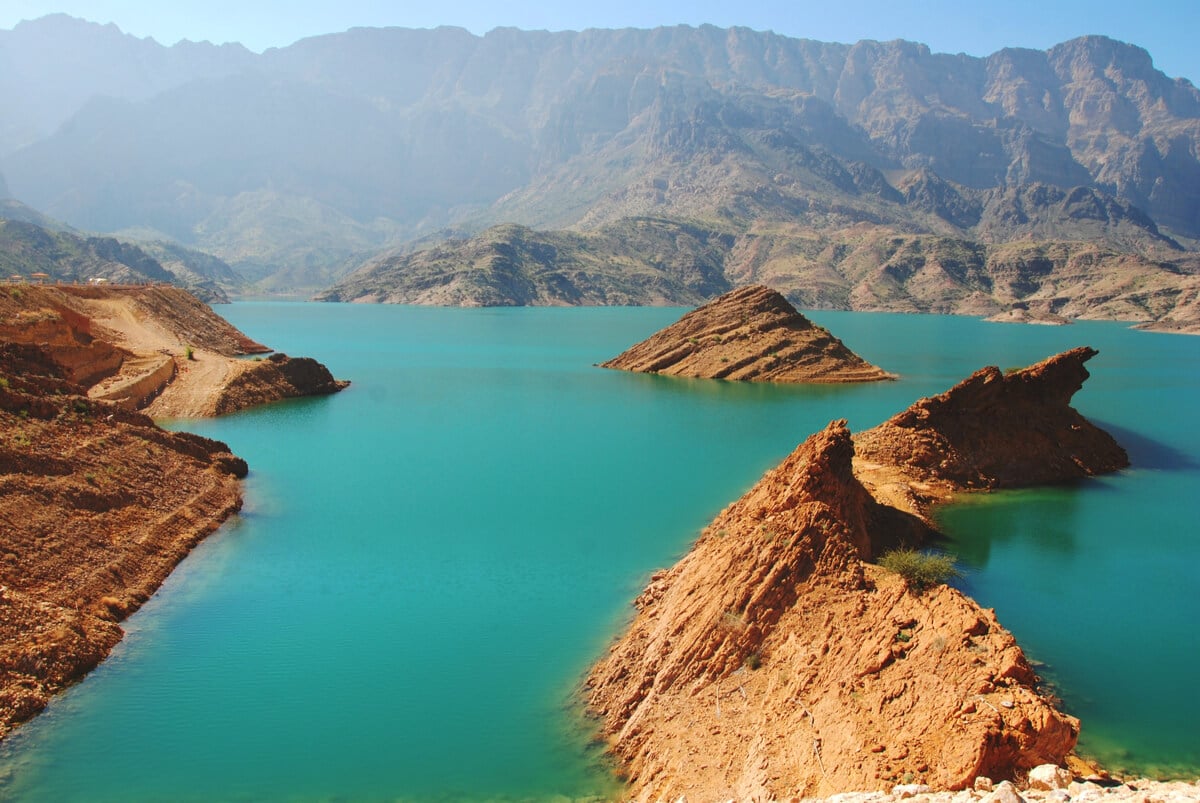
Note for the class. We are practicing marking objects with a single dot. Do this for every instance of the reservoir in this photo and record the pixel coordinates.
(428, 562)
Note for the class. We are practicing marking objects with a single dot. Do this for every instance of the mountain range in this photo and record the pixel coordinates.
(32, 243)
(301, 164)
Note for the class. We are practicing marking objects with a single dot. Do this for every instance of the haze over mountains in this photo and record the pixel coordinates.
(298, 165)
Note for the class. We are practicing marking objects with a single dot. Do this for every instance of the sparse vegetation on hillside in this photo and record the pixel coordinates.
(921, 570)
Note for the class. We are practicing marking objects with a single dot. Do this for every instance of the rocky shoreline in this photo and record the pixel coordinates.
(775, 661)
(1053, 785)
(97, 503)
(98, 506)
(154, 348)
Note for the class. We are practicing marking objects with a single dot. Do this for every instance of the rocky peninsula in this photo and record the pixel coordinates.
(97, 503)
(776, 661)
(750, 334)
(154, 348)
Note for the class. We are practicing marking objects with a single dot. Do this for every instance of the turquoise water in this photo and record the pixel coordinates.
(428, 562)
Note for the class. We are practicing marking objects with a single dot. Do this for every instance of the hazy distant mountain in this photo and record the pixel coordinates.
(31, 242)
(302, 162)
(52, 67)
(11, 209)
(655, 261)
(638, 261)
(208, 277)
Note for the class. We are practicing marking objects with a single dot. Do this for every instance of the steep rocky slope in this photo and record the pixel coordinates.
(953, 437)
(97, 503)
(751, 334)
(773, 660)
(154, 348)
(97, 506)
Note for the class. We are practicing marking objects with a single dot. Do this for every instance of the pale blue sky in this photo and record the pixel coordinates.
(1167, 28)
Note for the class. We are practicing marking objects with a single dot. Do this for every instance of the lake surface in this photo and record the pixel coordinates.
(428, 562)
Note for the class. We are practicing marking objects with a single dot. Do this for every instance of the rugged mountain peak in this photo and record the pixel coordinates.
(442, 129)
(996, 429)
(753, 334)
(1095, 54)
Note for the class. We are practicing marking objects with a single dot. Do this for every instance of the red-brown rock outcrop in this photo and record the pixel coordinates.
(277, 377)
(751, 334)
(997, 430)
(774, 661)
(97, 506)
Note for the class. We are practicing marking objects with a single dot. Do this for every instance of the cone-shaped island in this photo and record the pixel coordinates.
(750, 334)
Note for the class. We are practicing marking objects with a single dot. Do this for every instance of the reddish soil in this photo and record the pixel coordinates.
(154, 348)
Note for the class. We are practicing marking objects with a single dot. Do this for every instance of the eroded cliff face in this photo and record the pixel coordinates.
(751, 334)
(773, 660)
(97, 506)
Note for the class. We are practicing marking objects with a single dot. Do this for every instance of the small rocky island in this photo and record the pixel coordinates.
(749, 334)
(775, 660)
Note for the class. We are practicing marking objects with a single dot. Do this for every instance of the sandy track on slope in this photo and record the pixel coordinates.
(197, 384)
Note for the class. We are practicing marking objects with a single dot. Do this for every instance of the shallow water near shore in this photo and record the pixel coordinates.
(428, 562)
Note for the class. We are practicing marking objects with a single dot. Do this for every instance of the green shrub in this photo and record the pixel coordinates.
(921, 570)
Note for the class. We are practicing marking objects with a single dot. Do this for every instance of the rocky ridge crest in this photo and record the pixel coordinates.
(952, 437)
(434, 130)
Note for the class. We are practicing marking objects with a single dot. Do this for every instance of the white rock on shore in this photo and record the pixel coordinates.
(1046, 784)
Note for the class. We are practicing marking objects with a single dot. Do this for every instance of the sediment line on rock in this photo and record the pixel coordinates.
(750, 334)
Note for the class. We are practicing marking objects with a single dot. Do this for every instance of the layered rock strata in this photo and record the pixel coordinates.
(773, 660)
(97, 506)
(998, 430)
(750, 334)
